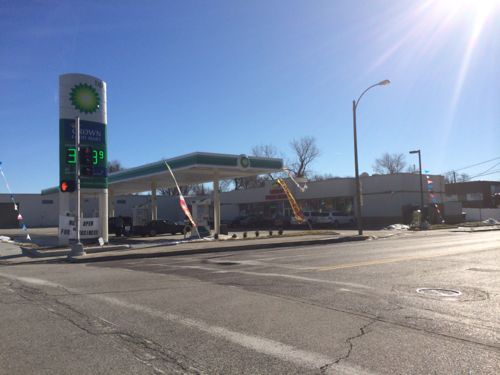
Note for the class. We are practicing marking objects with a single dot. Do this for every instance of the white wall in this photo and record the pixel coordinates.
(480, 214)
(37, 210)
(383, 196)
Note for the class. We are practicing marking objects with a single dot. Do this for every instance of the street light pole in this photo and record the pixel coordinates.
(421, 183)
(356, 171)
(355, 104)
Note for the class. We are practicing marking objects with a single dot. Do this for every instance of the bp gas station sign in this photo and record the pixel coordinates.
(82, 156)
(83, 97)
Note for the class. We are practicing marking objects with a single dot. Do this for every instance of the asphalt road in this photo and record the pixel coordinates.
(419, 303)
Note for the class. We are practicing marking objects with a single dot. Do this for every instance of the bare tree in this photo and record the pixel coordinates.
(390, 164)
(306, 152)
(114, 166)
(268, 151)
(412, 169)
(249, 182)
(321, 177)
(172, 191)
(453, 177)
(265, 151)
(197, 189)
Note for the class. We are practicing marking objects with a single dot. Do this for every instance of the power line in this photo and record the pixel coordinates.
(474, 165)
(487, 170)
(486, 174)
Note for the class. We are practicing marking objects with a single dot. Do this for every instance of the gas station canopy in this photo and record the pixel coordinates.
(194, 168)
(190, 169)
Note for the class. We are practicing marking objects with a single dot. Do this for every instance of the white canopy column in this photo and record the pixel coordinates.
(154, 204)
(216, 207)
(111, 203)
(103, 214)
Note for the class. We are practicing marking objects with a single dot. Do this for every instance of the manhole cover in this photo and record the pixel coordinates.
(438, 292)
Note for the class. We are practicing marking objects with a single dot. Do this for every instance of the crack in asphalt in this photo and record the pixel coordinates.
(160, 359)
(395, 306)
(350, 346)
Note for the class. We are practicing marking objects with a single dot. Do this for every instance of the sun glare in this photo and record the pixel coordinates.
(419, 34)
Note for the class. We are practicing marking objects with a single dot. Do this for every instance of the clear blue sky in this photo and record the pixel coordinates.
(223, 76)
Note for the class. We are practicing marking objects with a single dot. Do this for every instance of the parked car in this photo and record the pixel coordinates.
(338, 218)
(121, 225)
(161, 227)
(307, 215)
(246, 221)
(320, 218)
(280, 221)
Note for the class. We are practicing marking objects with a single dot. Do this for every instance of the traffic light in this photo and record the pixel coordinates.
(67, 186)
(86, 160)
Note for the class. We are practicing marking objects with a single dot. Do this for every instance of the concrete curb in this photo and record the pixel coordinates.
(158, 254)
(476, 229)
(35, 253)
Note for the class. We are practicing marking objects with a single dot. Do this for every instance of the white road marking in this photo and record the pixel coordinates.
(31, 280)
(317, 253)
(258, 344)
(265, 274)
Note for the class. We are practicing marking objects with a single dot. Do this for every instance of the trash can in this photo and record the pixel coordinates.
(464, 214)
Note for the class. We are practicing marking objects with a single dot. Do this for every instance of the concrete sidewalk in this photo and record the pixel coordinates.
(11, 254)
(215, 246)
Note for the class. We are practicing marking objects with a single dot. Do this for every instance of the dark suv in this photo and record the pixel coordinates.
(161, 227)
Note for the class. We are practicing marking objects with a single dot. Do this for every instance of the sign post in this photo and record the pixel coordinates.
(77, 248)
(83, 147)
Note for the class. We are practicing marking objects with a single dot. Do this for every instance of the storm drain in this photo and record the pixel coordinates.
(438, 292)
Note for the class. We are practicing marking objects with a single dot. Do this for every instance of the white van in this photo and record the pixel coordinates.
(313, 217)
(338, 218)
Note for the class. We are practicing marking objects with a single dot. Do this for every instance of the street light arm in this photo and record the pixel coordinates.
(363, 93)
(381, 83)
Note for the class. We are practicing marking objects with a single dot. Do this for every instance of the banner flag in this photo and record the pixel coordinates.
(299, 216)
(16, 207)
(182, 201)
(433, 198)
(185, 208)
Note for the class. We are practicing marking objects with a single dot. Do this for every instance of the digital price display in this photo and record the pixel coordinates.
(93, 155)
(97, 156)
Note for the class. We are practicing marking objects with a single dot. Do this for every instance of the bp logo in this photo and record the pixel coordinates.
(243, 161)
(85, 98)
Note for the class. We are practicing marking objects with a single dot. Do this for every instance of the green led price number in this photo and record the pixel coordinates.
(71, 155)
(97, 156)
